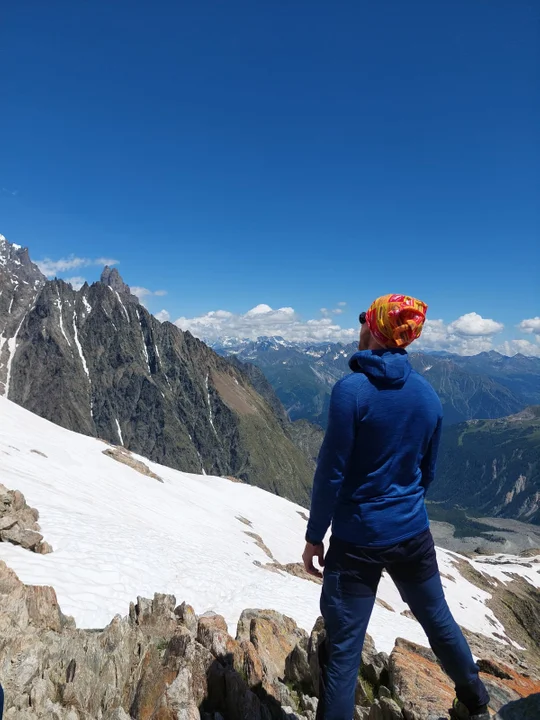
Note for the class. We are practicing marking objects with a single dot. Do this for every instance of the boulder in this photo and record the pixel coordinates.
(524, 709)
(374, 664)
(421, 684)
(18, 522)
(274, 637)
(186, 616)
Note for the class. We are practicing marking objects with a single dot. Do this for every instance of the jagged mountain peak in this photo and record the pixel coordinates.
(15, 260)
(112, 278)
(95, 360)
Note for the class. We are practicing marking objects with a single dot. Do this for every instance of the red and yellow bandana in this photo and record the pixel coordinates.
(396, 320)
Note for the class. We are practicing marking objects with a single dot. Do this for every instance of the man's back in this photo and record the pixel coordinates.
(379, 451)
(377, 459)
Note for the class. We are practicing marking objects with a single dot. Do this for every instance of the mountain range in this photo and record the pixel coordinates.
(492, 467)
(97, 362)
(490, 455)
(487, 385)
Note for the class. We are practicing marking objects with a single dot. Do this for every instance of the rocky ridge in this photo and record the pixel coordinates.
(162, 662)
(97, 362)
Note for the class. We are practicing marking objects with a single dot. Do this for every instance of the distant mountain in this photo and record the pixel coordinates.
(469, 390)
(302, 375)
(492, 467)
(487, 385)
(97, 362)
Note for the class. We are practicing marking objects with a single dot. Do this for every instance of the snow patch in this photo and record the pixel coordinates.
(210, 416)
(198, 455)
(106, 521)
(58, 303)
(122, 304)
(145, 351)
(119, 432)
(12, 347)
(79, 348)
(87, 305)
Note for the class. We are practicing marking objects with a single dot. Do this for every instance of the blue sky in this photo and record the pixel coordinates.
(288, 154)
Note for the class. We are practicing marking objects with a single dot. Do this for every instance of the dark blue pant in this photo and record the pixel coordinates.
(351, 578)
(1, 702)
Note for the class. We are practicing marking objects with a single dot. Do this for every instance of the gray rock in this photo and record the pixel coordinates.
(298, 671)
(390, 709)
(308, 703)
(361, 713)
(28, 539)
(524, 709)
(8, 521)
(18, 522)
(374, 664)
(117, 714)
(186, 616)
(315, 649)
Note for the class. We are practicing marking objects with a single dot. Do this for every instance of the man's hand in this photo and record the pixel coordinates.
(310, 552)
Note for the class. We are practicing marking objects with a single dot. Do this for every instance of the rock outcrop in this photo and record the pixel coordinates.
(18, 522)
(162, 662)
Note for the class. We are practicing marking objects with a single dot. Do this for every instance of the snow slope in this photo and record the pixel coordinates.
(118, 534)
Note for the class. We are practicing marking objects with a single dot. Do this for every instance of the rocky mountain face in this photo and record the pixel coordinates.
(162, 662)
(302, 375)
(488, 385)
(97, 362)
(492, 467)
(20, 284)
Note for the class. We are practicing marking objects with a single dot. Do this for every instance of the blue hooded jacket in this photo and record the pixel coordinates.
(379, 453)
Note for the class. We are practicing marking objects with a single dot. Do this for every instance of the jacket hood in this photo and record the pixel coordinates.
(389, 368)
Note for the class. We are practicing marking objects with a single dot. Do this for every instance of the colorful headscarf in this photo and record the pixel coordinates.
(396, 320)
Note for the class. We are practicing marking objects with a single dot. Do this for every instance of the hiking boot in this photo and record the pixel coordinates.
(460, 712)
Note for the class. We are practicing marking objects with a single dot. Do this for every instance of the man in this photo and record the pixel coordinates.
(375, 465)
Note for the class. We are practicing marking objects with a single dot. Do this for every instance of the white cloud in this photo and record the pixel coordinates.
(525, 347)
(336, 311)
(455, 337)
(532, 325)
(104, 261)
(142, 292)
(163, 316)
(342, 304)
(437, 335)
(76, 282)
(51, 268)
(263, 320)
(474, 325)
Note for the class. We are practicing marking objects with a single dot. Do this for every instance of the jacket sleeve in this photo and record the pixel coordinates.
(429, 461)
(333, 459)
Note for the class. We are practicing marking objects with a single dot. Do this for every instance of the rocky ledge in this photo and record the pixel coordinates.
(18, 522)
(162, 662)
